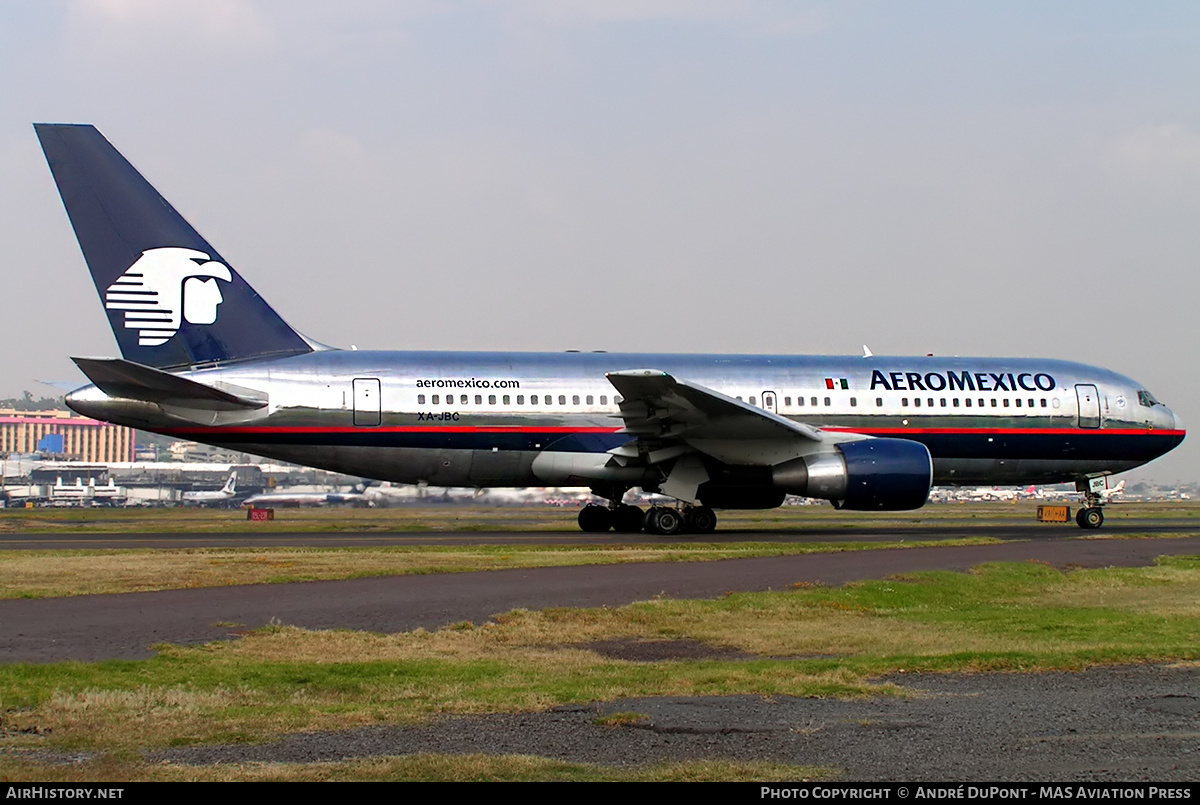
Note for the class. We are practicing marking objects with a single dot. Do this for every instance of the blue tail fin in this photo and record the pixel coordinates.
(172, 301)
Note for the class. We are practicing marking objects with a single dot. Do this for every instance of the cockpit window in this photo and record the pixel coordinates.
(1147, 399)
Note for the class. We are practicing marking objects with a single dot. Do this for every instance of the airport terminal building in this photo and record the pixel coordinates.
(64, 433)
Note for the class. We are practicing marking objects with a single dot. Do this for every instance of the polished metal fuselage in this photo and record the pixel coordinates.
(375, 414)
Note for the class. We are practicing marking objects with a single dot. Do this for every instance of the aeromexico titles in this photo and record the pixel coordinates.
(205, 357)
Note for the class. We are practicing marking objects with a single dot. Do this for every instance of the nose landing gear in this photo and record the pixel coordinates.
(1091, 516)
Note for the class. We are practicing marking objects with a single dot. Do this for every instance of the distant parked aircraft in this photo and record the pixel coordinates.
(268, 499)
(223, 495)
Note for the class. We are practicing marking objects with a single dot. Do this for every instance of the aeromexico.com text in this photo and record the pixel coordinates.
(473, 383)
(962, 381)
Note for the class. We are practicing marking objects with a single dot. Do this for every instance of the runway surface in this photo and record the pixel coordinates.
(940, 529)
(127, 626)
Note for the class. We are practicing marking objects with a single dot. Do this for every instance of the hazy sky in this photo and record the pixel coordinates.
(957, 178)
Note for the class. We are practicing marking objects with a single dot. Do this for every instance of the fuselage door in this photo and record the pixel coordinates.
(366, 401)
(770, 402)
(1089, 405)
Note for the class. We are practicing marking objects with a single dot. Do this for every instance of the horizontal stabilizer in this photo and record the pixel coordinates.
(132, 381)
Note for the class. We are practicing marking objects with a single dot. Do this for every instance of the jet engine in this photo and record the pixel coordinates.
(872, 474)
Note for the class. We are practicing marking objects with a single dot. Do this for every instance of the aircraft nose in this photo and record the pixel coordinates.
(1176, 422)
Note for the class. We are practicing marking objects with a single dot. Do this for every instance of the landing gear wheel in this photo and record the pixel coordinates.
(702, 520)
(595, 519)
(650, 521)
(663, 521)
(1089, 518)
(627, 519)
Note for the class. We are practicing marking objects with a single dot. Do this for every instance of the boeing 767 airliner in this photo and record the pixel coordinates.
(204, 357)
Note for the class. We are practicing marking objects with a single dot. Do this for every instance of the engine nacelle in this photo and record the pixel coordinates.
(872, 474)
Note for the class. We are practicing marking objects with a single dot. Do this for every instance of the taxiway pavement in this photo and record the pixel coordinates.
(97, 627)
(933, 530)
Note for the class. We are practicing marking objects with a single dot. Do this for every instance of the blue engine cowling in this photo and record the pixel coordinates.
(886, 475)
(870, 475)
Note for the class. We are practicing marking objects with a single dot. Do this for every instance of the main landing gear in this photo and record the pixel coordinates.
(665, 521)
(621, 518)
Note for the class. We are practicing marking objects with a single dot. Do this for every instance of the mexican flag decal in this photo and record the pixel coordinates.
(837, 383)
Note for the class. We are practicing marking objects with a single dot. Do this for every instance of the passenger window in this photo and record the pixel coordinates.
(917, 402)
(828, 402)
(904, 402)
(434, 399)
(420, 399)
(980, 402)
(753, 400)
(930, 402)
(800, 401)
(878, 402)
(506, 399)
(533, 399)
(853, 402)
(1031, 402)
(520, 399)
(491, 399)
(968, 402)
(787, 402)
(1043, 402)
(814, 400)
(955, 402)
(943, 401)
(562, 399)
(479, 399)
(1006, 403)
(575, 399)
(604, 399)
(1018, 401)
(617, 400)
(993, 402)
(589, 399)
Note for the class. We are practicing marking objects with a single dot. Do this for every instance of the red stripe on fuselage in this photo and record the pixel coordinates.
(866, 431)
(392, 429)
(869, 431)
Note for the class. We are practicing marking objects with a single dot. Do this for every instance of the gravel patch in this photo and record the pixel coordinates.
(1103, 724)
(635, 650)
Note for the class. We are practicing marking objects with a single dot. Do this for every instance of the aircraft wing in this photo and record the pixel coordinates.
(674, 423)
(655, 404)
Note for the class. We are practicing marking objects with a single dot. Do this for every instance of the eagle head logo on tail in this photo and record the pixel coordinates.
(165, 287)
